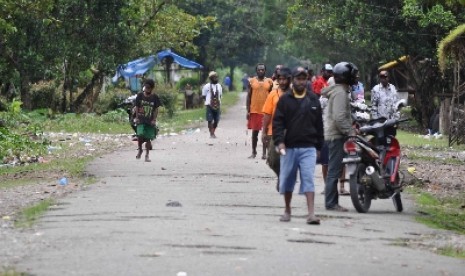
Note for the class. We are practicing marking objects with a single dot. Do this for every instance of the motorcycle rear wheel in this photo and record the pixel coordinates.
(396, 199)
(359, 194)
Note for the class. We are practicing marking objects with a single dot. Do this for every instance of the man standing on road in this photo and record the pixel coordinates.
(258, 90)
(283, 77)
(298, 133)
(211, 93)
(274, 77)
(384, 98)
(228, 83)
(338, 125)
(146, 109)
(322, 81)
(383, 101)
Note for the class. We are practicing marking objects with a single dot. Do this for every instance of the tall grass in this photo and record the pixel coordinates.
(30, 215)
(417, 140)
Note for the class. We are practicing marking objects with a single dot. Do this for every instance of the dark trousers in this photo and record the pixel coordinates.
(336, 154)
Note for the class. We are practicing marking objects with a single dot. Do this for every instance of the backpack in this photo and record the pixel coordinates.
(214, 101)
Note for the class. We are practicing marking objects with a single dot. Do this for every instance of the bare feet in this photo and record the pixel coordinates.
(285, 218)
(312, 219)
(139, 154)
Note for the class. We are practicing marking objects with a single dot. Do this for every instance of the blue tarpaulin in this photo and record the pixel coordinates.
(182, 61)
(142, 65)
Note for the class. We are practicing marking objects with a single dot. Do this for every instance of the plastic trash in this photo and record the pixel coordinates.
(63, 181)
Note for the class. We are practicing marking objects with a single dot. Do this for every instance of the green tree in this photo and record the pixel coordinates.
(373, 32)
(79, 42)
(238, 35)
(22, 24)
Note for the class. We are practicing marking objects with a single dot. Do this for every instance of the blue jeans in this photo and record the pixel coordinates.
(302, 159)
(336, 154)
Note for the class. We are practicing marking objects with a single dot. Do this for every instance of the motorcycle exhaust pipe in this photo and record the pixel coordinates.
(376, 179)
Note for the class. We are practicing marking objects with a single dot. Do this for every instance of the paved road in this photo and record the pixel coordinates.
(227, 224)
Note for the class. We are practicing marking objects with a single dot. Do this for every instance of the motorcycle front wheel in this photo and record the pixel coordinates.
(359, 193)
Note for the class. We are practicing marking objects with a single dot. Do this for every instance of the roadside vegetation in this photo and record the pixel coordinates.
(29, 215)
(437, 207)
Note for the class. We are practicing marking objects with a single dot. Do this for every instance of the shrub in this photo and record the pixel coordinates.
(168, 98)
(193, 81)
(110, 100)
(44, 95)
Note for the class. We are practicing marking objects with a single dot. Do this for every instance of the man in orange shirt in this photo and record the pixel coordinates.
(258, 90)
(322, 81)
(283, 77)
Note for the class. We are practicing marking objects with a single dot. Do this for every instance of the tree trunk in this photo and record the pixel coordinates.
(63, 97)
(231, 74)
(88, 90)
(444, 116)
(24, 92)
(97, 90)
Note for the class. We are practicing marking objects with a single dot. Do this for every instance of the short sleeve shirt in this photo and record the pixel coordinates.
(146, 106)
(260, 90)
(208, 89)
(269, 107)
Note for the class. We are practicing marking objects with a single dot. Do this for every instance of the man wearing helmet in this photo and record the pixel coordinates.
(338, 125)
(211, 93)
(283, 78)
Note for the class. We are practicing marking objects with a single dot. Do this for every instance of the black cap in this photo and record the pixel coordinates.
(299, 71)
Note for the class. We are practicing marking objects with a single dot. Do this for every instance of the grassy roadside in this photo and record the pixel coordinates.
(30, 214)
(445, 213)
(438, 211)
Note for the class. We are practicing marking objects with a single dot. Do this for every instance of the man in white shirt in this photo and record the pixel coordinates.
(211, 93)
(384, 98)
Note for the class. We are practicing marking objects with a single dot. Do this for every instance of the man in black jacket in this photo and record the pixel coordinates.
(298, 134)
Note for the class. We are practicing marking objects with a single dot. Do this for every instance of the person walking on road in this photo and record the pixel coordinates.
(258, 89)
(245, 83)
(298, 133)
(322, 81)
(212, 93)
(146, 112)
(228, 83)
(283, 77)
(338, 125)
(274, 77)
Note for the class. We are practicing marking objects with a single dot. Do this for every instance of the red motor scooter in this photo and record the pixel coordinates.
(372, 161)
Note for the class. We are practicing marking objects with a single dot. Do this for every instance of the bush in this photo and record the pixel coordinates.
(110, 100)
(115, 116)
(193, 81)
(168, 98)
(44, 95)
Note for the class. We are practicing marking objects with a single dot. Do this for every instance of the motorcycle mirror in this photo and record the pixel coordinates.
(401, 103)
